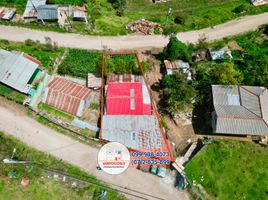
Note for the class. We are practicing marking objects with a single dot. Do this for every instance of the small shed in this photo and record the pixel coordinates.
(220, 54)
(79, 15)
(177, 65)
(259, 2)
(7, 13)
(93, 81)
(47, 12)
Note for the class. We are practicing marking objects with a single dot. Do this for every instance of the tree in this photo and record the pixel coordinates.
(175, 49)
(178, 92)
(109, 67)
(266, 29)
(215, 73)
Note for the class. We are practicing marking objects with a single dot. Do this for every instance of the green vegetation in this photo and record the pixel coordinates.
(79, 63)
(249, 65)
(109, 17)
(11, 94)
(231, 170)
(43, 52)
(123, 64)
(95, 106)
(62, 130)
(175, 49)
(178, 92)
(53, 111)
(41, 188)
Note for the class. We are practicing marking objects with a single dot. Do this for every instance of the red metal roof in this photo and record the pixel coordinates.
(126, 99)
(66, 95)
(31, 58)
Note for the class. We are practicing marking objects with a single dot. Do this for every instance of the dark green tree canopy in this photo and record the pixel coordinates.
(175, 49)
(178, 92)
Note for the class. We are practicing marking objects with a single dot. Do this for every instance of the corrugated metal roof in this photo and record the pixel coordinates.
(7, 13)
(248, 116)
(125, 78)
(136, 131)
(16, 70)
(241, 126)
(127, 98)
(93, 81)
(47, 12)
(219, 54)
(29, 10)
(65, 95)
(79, 14)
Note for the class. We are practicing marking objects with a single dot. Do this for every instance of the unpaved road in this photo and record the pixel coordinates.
(233, 27)
(47, 140)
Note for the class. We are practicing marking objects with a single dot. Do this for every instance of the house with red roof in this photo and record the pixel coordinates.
(127, 98)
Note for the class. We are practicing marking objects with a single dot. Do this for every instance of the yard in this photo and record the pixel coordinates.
(185, 14)
(39, 188)
(231, 170)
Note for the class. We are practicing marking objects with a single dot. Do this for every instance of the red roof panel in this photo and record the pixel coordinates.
(126, 99)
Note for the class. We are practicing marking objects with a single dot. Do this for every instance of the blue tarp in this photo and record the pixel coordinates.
(81, 124)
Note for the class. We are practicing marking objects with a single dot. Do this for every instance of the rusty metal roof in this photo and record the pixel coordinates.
(66, 95)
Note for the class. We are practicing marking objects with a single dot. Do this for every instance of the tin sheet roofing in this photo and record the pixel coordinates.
(16, 69)
(30, 7)
(137, 132)
(248, 115)
(65, 95)
(93, 81)
(47, 12)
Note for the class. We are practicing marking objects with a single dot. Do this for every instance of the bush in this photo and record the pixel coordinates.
(179, 19)
(176, 50)
(80, 62)
(239, 9)
(29, 42)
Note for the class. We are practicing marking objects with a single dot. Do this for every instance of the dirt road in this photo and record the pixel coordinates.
(233, 27)
(47, 140)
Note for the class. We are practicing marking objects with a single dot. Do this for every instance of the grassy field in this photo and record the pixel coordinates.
(54, 112)
(232, 170)
(40, 188)
(39, 51)
(11, 94)
(192, 14)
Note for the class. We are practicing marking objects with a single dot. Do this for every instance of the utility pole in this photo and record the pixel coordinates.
(168, 14)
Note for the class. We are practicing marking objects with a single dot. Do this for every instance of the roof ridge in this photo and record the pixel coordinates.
(258, 96)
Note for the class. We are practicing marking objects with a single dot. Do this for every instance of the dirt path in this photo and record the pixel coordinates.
(233, 27)
(19, 125)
